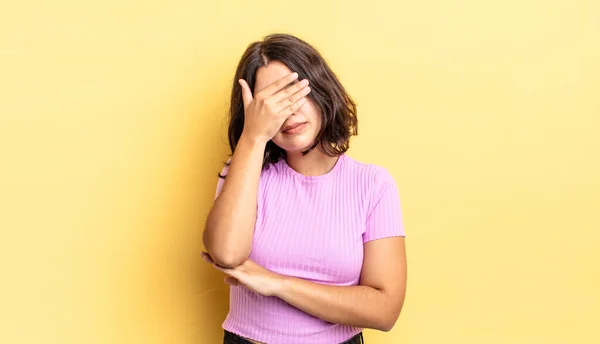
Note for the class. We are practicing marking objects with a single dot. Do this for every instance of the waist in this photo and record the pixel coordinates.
(273, 321)
(232, 338)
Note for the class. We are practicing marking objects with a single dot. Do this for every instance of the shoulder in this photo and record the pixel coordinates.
(373, 175)
(375, 181)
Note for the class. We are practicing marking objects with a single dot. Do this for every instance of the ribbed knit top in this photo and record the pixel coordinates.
(314, 228)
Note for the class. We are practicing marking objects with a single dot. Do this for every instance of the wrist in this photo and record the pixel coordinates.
(252, 141)
(280, 285)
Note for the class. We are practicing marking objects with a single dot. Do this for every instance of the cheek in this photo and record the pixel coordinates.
(312, 114)
(317, 123)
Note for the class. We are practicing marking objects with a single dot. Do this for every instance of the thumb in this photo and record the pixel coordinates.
(246, 93)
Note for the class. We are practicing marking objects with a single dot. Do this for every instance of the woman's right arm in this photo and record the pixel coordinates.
(230, 224)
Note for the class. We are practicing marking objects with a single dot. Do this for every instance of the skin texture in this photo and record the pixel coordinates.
(230, 223)
(315, 162)
(375, 303)
(378, 299)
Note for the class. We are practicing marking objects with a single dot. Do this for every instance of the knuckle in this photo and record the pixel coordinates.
(269, 106)
(260, 96)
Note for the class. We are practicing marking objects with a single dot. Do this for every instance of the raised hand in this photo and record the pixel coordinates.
(267, 110)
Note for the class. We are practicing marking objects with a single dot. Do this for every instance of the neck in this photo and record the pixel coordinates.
(315, 163)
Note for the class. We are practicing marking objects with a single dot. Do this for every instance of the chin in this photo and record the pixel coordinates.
(294, 145)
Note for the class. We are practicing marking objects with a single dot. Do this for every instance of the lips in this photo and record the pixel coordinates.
(290, 127)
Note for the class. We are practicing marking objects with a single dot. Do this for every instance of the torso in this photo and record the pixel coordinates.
(313, 228)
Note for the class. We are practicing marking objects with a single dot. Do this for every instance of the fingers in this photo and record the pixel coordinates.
(294, 97)
(277, 85)
(225, 270)
(209, 259)
(288, 111)
(290, 90)
(246, 93)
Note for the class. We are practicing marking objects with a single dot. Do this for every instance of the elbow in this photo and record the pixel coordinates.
(227, 259)
(224, 255)
(387, 324)
(388, 319)
(226, 248)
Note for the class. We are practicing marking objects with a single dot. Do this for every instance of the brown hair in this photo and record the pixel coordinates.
(337, 109)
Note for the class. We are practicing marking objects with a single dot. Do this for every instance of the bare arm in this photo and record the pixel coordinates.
(230, 224)
(375, 303)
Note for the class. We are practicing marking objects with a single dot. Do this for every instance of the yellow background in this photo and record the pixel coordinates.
(112, 131)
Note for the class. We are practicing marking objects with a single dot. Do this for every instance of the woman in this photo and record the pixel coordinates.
(311, 240)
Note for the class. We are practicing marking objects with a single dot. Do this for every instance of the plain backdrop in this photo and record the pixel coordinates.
(112, 131)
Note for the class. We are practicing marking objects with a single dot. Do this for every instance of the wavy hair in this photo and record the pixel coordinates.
(338, 110)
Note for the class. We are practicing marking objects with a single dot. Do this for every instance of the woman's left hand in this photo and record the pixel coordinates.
(250, 275)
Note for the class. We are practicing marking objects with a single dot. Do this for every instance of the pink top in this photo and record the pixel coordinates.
(314, 228)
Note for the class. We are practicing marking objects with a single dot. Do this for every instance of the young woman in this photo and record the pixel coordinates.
(311, 240)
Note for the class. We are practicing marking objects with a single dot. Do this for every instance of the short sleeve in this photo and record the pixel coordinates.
(385, 216)
(221, 180)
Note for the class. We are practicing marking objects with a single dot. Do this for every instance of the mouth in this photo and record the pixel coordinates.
(294, 129)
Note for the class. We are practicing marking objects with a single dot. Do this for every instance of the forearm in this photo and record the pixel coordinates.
(230, 224)
(359, 306)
